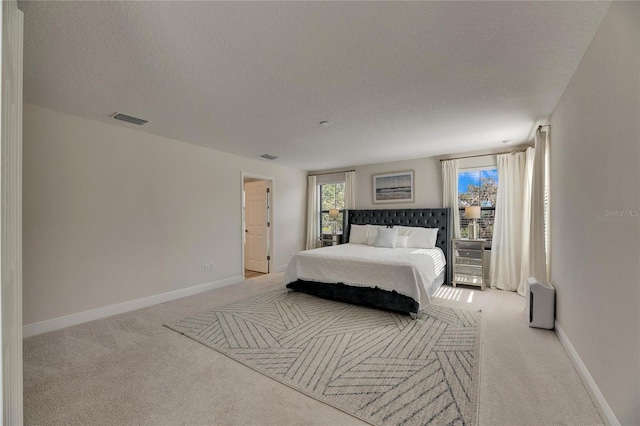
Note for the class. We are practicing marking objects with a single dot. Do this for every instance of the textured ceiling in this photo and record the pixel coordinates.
(398, 80)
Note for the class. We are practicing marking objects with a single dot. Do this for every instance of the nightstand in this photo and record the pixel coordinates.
(331, 239)
(468, 262)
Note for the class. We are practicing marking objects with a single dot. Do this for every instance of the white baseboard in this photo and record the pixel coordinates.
(601, 404)
(280, 268)
(106, 311)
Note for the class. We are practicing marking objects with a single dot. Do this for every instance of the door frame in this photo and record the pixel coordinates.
(270, 184)
(11, 332)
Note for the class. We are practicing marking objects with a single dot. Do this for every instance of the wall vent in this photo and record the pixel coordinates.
(129, 119)
(269, 156)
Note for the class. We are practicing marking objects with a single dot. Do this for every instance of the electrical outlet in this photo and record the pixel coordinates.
(207, 268)
(211, 267)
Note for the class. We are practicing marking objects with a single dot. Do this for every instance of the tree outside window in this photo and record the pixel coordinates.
(331, 197)
(478, 187)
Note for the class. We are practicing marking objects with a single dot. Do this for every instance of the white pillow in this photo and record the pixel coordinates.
(403, 230)
(402, 240)
(372, 231)
(386, 237)
(422, 237)
(358, 234)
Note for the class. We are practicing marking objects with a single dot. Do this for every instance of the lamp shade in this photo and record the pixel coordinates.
(472, 212)
(334, 213)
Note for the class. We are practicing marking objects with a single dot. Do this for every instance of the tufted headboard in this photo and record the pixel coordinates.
(426, 218)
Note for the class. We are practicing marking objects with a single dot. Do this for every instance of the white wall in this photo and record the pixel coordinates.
(113, 214)
(427, 179)
(595, 173)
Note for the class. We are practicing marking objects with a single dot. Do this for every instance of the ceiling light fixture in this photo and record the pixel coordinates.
(269, 156)
(129, 119)
(326, 123)
(507, 141)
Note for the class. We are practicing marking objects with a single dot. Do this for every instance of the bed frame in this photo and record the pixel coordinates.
(375, 297)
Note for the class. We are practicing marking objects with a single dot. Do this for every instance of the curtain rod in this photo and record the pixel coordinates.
(543, 125)
(330, 173)
(484, 155)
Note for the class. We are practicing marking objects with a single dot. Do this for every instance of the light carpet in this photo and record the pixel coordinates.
(379, 366)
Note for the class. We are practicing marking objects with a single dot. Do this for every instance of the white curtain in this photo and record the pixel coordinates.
(312, 213)
(538, 252)
(350, 190)
(450, 192)
(506, 248)
(526, 221)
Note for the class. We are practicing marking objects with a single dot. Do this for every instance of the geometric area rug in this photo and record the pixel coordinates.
(378, 366)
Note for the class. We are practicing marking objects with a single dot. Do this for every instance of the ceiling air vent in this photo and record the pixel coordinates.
(129, 119)
(269, 156)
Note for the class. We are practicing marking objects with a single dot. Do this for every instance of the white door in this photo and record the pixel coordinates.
(256, 247)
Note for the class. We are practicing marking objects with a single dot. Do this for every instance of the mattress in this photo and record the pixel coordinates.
(413, 272)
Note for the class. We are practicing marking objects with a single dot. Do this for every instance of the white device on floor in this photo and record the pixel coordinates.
(541, 304)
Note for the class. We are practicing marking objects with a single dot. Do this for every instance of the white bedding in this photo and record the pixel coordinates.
(409, 271)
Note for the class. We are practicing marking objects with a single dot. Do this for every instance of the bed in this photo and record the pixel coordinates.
(398, 279)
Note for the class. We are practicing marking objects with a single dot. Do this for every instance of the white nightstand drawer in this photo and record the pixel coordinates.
(468, 244)
(469, 280)
(469, 254)
(474, 271)
(468, 261)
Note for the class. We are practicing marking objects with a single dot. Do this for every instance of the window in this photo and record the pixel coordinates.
(478, 187)
(331, 197)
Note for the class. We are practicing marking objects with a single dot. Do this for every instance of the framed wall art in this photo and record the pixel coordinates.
(393, 188)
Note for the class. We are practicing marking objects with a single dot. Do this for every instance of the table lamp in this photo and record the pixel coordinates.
(334, 214)
(473, 213)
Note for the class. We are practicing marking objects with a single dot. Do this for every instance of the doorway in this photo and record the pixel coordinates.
(256, 195)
